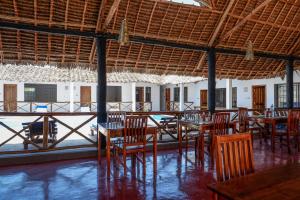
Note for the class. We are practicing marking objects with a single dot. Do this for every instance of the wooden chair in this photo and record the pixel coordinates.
(116, 116)
(192, 133)
(292, 130)
(34, 132)
(247, 126)
(234, 156)
(134, 140)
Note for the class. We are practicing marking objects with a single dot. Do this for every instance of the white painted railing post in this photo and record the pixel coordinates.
(133, 96)
(181, 97)
(71, 97)
(228, 94)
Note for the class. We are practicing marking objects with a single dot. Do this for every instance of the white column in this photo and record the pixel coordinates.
(133, 96)
(228, 94)
(71, 97)
(181, 97)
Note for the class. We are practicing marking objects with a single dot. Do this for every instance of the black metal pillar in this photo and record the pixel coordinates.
(290, 84)
(211, 80)
(101, 88)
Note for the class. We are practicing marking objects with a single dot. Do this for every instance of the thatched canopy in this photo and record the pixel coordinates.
(272, 25)
(47, 73)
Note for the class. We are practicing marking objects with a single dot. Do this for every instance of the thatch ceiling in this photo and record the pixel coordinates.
(272, 25)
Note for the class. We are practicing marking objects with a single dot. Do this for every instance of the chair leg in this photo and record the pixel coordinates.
(124, 163)
(288, 144)
(144, 163)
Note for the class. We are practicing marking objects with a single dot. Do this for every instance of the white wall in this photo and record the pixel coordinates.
(244, 89)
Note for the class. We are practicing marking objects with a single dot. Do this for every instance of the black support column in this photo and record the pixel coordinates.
(101, 88)
(211, 80)
(290, 83)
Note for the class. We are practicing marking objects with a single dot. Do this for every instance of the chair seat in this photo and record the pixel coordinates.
(130, 148)
(116, 140)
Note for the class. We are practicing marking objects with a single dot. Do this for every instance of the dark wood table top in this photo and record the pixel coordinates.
(278, 183)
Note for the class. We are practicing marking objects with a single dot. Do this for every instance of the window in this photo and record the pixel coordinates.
(234, 97)
(40, 92)
(185, 94)
(221, 97)
(148, 94)
(114, 94)
(280, 95)
(176, 94)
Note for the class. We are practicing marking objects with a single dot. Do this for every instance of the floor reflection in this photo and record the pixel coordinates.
(173, 177)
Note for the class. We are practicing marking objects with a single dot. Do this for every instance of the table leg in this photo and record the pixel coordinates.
(108, 153)
(273, 135)
(180, 138)
(155, 150)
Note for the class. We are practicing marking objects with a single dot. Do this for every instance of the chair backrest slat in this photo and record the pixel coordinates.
(116, 116)
(221, 123)
(234, 156)
(294, 121)
(243, 120)
(135, 130)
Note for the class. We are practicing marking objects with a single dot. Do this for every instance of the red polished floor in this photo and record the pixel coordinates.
(177, 177)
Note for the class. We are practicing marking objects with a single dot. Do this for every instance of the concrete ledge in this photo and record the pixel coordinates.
(51, 156)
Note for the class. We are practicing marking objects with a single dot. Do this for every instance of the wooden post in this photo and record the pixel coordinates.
(290, 84)
(45, 132)
(101, 89)
(211, 80)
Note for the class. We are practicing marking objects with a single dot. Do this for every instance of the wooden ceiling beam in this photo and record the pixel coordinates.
(81, 29)
(1, 49)
(65, 26)
(245, 19)
(97, 29)
(49, 35)
(35, 33)
(18, 31)
(217, 30)
(110, 14)
(150, 19)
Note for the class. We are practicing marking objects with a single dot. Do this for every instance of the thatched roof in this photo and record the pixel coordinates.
(47, 73)
(272, 25)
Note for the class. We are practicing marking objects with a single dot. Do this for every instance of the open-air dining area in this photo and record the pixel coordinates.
(150, 99)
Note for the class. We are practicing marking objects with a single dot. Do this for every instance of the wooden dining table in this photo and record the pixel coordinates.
(278, 183)
(269, 121)
(111, 130)
(202, 127)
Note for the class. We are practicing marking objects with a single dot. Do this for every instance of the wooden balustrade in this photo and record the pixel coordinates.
(45, 118)
(22, 106)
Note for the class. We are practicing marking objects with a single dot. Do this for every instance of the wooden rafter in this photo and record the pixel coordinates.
(49, 35)
(18, 32)
(111, 13)
(35, 34)
(244, 20)
(217, 30)
(65, 26)
(81, 29)
(150, 19)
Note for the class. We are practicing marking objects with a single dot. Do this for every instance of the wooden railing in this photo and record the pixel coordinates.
(174, 106)
(22, 106)
(13, 126)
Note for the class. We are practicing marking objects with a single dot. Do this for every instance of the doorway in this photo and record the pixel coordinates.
(139, 98)
(85, 96)
(10, 97)
(203, 99)
(167, 99)
(259, 97)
